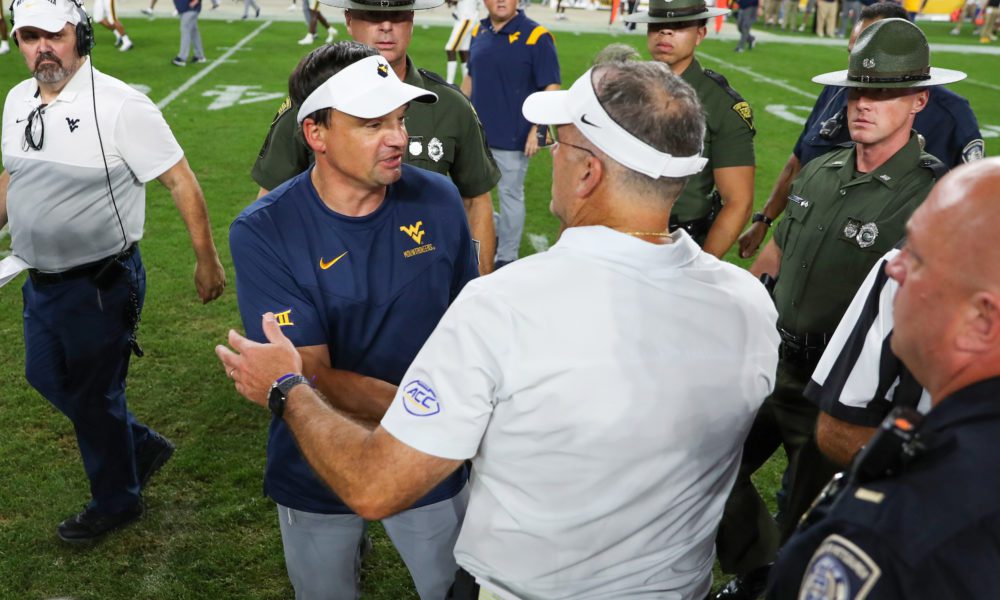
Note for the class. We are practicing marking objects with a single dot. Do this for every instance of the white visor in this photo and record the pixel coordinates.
(579, 105)
(366, 89)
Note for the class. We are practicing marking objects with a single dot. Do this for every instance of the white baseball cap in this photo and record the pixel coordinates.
(579, 105)
(366, 89)
(47, 15)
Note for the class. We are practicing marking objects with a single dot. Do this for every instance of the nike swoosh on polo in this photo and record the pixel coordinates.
(583, 118)
(327, 265)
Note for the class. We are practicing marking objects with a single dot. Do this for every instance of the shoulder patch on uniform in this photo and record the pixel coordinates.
(283, 108)
(839, 570)
(536, 33)
(439, 80)
(741, 106)
(974, 150)
(935, 166)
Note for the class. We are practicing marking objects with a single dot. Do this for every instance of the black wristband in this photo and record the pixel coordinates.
(759, 217)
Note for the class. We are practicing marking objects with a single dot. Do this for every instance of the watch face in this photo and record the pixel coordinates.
(276, 401)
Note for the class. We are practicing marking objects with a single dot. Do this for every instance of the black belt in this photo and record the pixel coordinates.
(88, 270)
(696, 228)
(804, 350)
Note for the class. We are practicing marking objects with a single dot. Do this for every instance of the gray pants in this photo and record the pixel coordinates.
(846, 21)
(307, 11)
(744, 20)
(513, 165)
(247, 5)
(323, 557)
(190, 35)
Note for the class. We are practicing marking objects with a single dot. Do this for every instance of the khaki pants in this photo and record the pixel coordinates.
(791, 9)
(826, 18)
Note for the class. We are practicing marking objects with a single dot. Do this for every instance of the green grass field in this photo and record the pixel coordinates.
(209, 532)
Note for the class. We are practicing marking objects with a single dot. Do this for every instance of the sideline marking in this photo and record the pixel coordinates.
(539, 242)
(758, 77)
(201, 74)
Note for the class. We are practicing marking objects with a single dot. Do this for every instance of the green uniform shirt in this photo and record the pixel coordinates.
(728, 139)
(445, 137)
(837, 225)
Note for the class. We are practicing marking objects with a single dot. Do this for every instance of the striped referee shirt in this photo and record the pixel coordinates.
(859, 380)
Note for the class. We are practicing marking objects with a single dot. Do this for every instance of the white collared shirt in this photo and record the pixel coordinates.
(603, 390)
(60, 211)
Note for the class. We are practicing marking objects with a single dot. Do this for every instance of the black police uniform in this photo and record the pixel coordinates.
(930, 531)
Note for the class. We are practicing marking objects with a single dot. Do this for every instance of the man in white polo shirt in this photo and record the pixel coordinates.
(78, 148)
(597, 387)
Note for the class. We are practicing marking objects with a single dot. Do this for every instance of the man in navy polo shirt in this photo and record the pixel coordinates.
(359, 257)
(511, 57)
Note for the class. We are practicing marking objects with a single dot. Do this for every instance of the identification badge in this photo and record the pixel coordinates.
(435, 149)
(799, 200)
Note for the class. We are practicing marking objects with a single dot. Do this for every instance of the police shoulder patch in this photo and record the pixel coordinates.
(839, 570)
(740, 106)
(974, 150)
(284, 107)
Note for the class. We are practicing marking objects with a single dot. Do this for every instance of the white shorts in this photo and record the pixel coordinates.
(461, 36)
(104, 10)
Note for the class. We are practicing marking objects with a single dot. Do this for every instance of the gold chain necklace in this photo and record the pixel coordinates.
(659, 234)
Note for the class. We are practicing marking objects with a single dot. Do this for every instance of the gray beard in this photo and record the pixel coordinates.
(51, 74)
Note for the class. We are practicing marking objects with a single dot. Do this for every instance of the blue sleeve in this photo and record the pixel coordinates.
(967, 138)
(818, 112)
(546, 63)
(266, 283)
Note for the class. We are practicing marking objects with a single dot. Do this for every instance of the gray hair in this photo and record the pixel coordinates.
(656, 107)
(618, 52)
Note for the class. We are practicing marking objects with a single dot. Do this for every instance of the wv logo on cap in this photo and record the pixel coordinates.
(383, 70)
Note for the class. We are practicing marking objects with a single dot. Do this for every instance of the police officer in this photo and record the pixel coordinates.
(716, 203)
(918, 516)
(445, 137)
(948, 125)
(846, 210)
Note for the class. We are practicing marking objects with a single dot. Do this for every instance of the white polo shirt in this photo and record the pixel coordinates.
(603, 390)
(58, 205)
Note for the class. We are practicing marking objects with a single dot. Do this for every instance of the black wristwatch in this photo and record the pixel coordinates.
(279, 392)
(759, 217)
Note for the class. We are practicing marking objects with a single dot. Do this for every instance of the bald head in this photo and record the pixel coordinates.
(947, 309)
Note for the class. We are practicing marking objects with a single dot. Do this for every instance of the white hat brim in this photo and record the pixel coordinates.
(938, 77)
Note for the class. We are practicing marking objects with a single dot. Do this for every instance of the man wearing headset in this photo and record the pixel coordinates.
(78, 147)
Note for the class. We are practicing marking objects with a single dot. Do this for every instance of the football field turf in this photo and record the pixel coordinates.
(209, 532)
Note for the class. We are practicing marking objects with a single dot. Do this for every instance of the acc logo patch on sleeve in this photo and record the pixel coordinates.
(420, 400)
(839, 570)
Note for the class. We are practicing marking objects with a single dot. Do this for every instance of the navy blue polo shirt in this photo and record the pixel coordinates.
(372, 288)
(506, 67)
(947, 124)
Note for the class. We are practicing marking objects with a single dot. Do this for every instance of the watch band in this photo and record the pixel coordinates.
(759, 217)
(280, 389)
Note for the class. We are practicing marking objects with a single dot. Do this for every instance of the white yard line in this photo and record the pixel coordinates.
(983, 84)
(758, 77)
(215, 63)
(539, 242)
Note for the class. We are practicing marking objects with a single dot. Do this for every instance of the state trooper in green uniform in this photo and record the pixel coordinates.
(716, 203)
(845, 210)
(445, 137)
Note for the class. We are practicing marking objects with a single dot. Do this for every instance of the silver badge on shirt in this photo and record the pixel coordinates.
(435, 149)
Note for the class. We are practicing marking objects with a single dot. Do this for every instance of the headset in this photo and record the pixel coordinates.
(85, 39)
